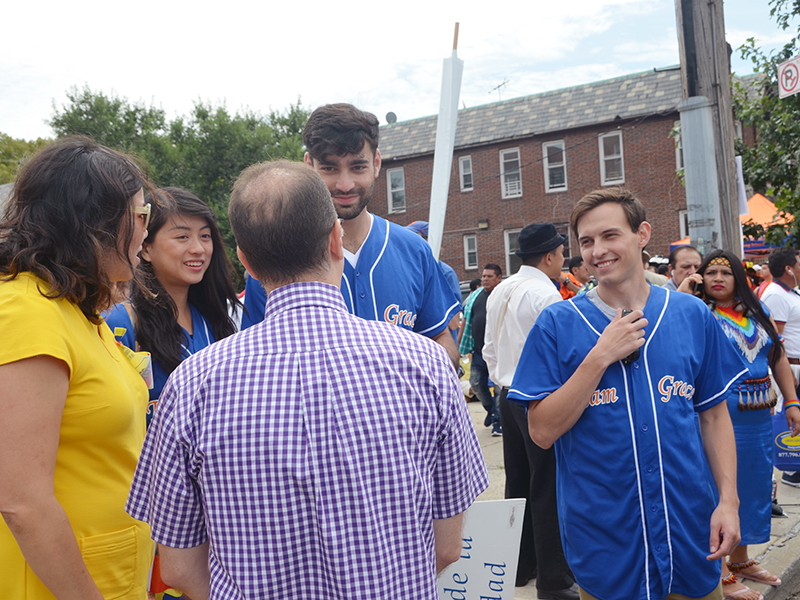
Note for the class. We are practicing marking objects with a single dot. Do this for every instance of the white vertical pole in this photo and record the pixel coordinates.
(445, 140)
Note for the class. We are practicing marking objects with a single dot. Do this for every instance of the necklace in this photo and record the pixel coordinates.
(749, 337)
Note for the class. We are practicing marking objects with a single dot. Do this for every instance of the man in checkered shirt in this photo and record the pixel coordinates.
(316, 454)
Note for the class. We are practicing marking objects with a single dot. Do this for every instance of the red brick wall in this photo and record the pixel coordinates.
(649, 163)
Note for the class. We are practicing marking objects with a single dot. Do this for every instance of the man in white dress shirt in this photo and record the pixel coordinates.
(511, 311)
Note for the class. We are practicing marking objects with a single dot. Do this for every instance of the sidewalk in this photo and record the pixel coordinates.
(780, 556)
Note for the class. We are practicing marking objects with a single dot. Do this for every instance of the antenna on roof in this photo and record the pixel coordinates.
(391, 117)
(497, 87)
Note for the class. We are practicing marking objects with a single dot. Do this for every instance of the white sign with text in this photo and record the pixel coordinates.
(487, 568)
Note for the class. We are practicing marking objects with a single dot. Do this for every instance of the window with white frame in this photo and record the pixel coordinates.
(612, 170)
(396, 187)
(470, 252)
(678, 146)
(513, 261)
(555, 166)
(510, 173)
(563, 229)
(683, 217)
(465, 173)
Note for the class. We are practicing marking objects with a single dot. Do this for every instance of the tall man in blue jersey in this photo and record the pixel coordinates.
(617, 393)
(390, 274)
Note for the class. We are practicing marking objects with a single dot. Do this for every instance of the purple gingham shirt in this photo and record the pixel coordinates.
(313, 450)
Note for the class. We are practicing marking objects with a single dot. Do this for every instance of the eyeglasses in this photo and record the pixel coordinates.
(143, 210)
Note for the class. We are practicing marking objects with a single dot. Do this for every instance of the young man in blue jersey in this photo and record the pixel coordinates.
(390, 273)
(614, 378)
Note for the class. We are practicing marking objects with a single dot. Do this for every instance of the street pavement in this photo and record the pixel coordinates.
(781, 555)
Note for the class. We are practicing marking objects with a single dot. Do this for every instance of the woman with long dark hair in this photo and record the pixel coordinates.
(183, 305)
(722, 283)
(72, 404)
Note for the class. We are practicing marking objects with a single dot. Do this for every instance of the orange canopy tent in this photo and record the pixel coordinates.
(684, 242)
(762, 211)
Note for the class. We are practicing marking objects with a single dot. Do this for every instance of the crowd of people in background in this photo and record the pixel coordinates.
(160, 436)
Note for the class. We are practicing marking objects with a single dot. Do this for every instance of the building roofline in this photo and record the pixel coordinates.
(555, 91)
(651, 92)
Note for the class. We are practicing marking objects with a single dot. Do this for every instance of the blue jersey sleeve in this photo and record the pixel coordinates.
(116, 318)
(539, 369)
(722, 366)
(439, 303)
(255, 302)
(451, 278)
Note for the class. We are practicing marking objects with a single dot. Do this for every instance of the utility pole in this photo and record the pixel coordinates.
(707, 129)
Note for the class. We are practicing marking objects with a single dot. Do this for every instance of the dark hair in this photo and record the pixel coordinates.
(534, 260)
(71, 208)
(281, 214)
(780, 259)
(496, 268)
(673, 256)
(574, 262)
(157, 327)
(662, 269)
(474, 284)
(339, 129)
(634, 211)
(745, 295)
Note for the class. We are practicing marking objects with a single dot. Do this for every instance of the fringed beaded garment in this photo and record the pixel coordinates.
(749, 410)
(750, 338)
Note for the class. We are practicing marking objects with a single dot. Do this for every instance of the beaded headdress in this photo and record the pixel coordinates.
(720, 260)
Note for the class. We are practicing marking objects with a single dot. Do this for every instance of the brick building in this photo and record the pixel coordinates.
(531, 159)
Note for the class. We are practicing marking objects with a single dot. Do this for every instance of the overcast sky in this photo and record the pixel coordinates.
(380, 56)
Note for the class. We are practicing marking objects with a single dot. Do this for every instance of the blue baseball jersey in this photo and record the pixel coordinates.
(451, 278)
(634, 497)
(396, 279)
(117, 317)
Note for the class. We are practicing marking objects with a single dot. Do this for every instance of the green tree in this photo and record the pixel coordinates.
(117, 123)
(203, 152)
(772, 165)
(288, 132)
(214, 147)
(12, 152)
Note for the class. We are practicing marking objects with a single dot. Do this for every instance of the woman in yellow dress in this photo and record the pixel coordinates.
(72, 405)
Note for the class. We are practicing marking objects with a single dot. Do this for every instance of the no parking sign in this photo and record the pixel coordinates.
(789, 77)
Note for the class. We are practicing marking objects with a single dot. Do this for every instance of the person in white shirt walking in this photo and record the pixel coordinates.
(783, 300)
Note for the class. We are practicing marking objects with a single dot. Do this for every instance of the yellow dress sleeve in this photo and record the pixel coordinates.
(32, 325)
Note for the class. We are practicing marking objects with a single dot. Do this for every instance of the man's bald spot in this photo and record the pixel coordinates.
(281, 214)
(266, 190)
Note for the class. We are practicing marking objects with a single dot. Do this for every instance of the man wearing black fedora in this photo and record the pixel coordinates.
(511, 312)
